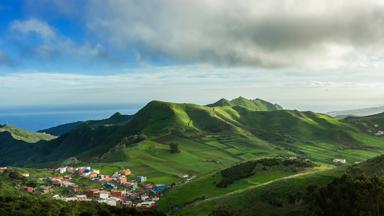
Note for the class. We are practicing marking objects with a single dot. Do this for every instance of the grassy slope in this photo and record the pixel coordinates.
(210, 138)
(25, 136)
(257, 199)
(115, 119)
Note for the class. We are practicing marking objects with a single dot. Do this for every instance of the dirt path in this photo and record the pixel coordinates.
(255, 186)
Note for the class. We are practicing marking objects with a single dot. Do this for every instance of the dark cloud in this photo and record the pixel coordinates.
(262, 33)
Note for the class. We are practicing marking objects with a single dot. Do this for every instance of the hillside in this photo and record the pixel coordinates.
(373, 124)
(209, 138)
(23, 135)
(115, 119)
(283, 195)
(358, 112)
(255, 104)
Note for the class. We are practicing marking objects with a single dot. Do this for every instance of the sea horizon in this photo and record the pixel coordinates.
(42, 117)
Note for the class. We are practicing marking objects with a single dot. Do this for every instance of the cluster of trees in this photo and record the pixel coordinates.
(20, 206)
(236, 172)
(174, 148)
(349, 196)
(247, 169)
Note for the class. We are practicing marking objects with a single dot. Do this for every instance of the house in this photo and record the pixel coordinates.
(104, 194)
(112, 201)
(67, 178)
(116, 193)
(87, 170)
(122, 180)
(127, 203)
(29, 189)
(144, 197)
(56, 182)
(82, 198)
(339, 161)
(116, 175)
(149, 186)
(92, 175)
(105, 179)
(61, 170)
(159, 188)
(141, 179)
(67, 184)
(43, 190)
(126, 172)
(25, 174)
(109, 186)
(80, 170)
(146, 205)
(3, 169)
(92, 193)
(74, 188)
(70, 170)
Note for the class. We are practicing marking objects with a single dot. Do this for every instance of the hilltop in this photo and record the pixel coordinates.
(251, 104)
(115, 119)
(24, 135)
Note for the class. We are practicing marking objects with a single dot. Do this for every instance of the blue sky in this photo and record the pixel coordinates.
(318, 55)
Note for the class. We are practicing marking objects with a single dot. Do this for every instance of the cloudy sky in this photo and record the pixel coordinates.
(316, 54)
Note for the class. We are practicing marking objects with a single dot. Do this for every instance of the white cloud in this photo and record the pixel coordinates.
(264, 33)
(51, 43)
(196, 83)
(33, 26)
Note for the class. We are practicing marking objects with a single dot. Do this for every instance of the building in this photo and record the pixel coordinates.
(126, 172)
(116, 193)
(149, 186)
(92, 193)
(61, 170)
(25, 174)
(112, 201)
(74, 188)
(92, 175)
(82, 198)
(146, 205)
(159, 188)
(29, 189)
(339, 161)
(144, 197)
(70, 170)
(141, 179)
(109, 186)
(43, 190)
(122, 180)
(104, 194)
(3, 169)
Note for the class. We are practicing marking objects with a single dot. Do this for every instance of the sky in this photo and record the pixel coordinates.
(309, 55)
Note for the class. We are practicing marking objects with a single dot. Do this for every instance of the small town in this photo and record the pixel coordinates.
(122, 188)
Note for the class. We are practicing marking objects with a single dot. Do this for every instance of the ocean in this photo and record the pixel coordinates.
(38, 118)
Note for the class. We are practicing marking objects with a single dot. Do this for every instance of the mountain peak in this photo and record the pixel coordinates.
(251, 104)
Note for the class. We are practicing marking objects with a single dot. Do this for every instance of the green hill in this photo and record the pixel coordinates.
(209, 138)
(255, 104)
(115, 119)
(373, 124)
(23, 135)
(270, 194)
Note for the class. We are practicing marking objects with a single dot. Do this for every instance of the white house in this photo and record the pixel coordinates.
(339, 161)
(104, 195)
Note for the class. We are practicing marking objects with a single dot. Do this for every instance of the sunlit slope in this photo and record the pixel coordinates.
(209, 138)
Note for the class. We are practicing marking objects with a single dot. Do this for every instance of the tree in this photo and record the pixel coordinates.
(349, 196)
(174, 148)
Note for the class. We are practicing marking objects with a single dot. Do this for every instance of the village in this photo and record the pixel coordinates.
(88, 184)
